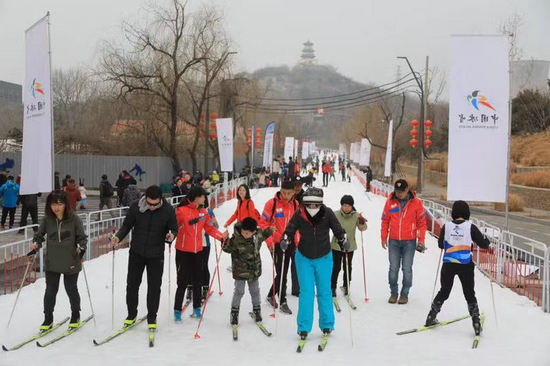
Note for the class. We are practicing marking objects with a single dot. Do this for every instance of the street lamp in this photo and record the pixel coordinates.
(418, 80)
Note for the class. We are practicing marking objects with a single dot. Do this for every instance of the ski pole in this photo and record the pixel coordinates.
(113, 285)
(29, 263)
(349, 291)
(220, 292)
(437, 274)
(169, 275)
(273, 285)
(364, 272)
(197, 336)
(88, 290)
(280, 289)
(494, 307)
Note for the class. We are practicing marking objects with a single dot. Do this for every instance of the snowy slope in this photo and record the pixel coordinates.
(522, 336)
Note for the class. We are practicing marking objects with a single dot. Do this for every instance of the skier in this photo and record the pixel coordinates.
(368, 176)
(8, 193)
(456, 239)
(313, 220)
(192, 219)
(326, 171)
(153, 222)
(245, 206)
(244, 247)
(342, 168)
(350, 220)
(404, 220)
(66, 245)
(278, 211)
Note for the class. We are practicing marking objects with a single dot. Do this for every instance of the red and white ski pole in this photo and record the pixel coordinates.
(220, 292)
(364, 271)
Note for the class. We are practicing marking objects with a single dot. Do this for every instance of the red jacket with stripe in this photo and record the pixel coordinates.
(407, 223)
(278, 212)
(189, 237)
(245, 208)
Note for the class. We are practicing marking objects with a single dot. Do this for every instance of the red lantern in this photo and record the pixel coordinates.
(213, 116)
(413, 142)
(414, 123)
(428, 143)
(428, 123)
(428, 133)
(414, 133)
(202, 116)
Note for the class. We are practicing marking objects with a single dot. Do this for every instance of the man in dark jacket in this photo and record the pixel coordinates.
(29, 205)
(57, 184)
(123, 181)
(314, 259)
(106, 192)
(153, 221)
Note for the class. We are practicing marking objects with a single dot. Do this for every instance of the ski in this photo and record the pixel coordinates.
(421, 329)
(151, 337)
(301, 344)
(336, 305)
(323, 343)
(118, 332)
(38, 335)
(348, 299)
(235, 329)
(65, 334)
(477, 338)
(260, 325)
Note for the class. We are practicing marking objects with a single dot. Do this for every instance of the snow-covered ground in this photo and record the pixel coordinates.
(522, 336)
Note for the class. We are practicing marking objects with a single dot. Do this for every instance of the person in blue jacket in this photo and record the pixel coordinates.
(314, 259)
(9, 192)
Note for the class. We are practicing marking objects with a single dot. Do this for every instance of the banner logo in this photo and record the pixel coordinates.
(476, 99)
(36, 88)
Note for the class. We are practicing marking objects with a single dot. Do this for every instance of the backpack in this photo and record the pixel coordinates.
(107, 189)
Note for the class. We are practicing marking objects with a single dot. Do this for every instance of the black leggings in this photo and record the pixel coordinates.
(281, 269)
(52, 286)
(325, 179)
(465, 273)
(205, 270)
(189, 269)
(339, 261)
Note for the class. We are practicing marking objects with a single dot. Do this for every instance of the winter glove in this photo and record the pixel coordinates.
(193, 221)
(344, 245)
(284, 244)
(420, 247)
(361, 220)
(80, 251)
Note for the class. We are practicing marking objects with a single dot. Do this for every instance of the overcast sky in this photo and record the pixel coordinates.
(361, 38)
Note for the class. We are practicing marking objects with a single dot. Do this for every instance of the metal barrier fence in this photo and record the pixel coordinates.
(513, 261)
(99, 226)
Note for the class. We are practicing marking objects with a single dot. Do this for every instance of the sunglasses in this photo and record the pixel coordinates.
(312, 205)
(153, 204)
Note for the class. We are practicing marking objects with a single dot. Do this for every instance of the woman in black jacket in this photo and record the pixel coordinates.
(66, 245)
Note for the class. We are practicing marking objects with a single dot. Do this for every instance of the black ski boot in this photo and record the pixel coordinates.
(432, 315)
(271, 301)
(75, 319)
(285, 309)
(257, 313)
(327, 331)
(303, 335)
(474, 313)
(48, 322)
(333, 292)
(234, 316)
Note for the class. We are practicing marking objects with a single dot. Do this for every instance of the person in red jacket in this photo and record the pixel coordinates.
(277, 212)
(192, 219)
(404, 221)
(326, 171)
(245, 207)
(72, 193)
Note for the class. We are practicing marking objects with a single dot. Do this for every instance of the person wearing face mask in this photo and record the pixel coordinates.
(404, 222)
(278, 212)
(153, 222)
(313, 220)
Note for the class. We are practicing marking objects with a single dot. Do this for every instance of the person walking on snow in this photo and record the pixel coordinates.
(244, 247)
(245, 206)
(9, 192)
(153, 223)
(404, 221)
(350, 220)
(313, 220)
(66, 244)
(192, 219)
(456, 239)
(277, 212)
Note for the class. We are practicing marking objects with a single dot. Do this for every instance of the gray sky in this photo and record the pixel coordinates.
(361, 38)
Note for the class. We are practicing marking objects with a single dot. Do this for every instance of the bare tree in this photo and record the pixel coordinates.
(510, 27)
(159, 55)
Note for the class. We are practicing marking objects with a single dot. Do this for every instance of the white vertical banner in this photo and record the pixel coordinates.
(268, 146)
(342, 150)
(296, 142)
(478, 119)
(37, 154)
(356, 151)
(313, 147)
(364, 159)
(352, 151)
(289, 148)
(387, 165)
(305, 150)
(224, 127)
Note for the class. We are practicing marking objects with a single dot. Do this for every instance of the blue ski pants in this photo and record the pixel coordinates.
(314, 273)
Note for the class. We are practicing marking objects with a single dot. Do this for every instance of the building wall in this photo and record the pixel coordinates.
(10, 93)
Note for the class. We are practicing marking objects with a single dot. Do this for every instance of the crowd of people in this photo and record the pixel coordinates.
(295, 225)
